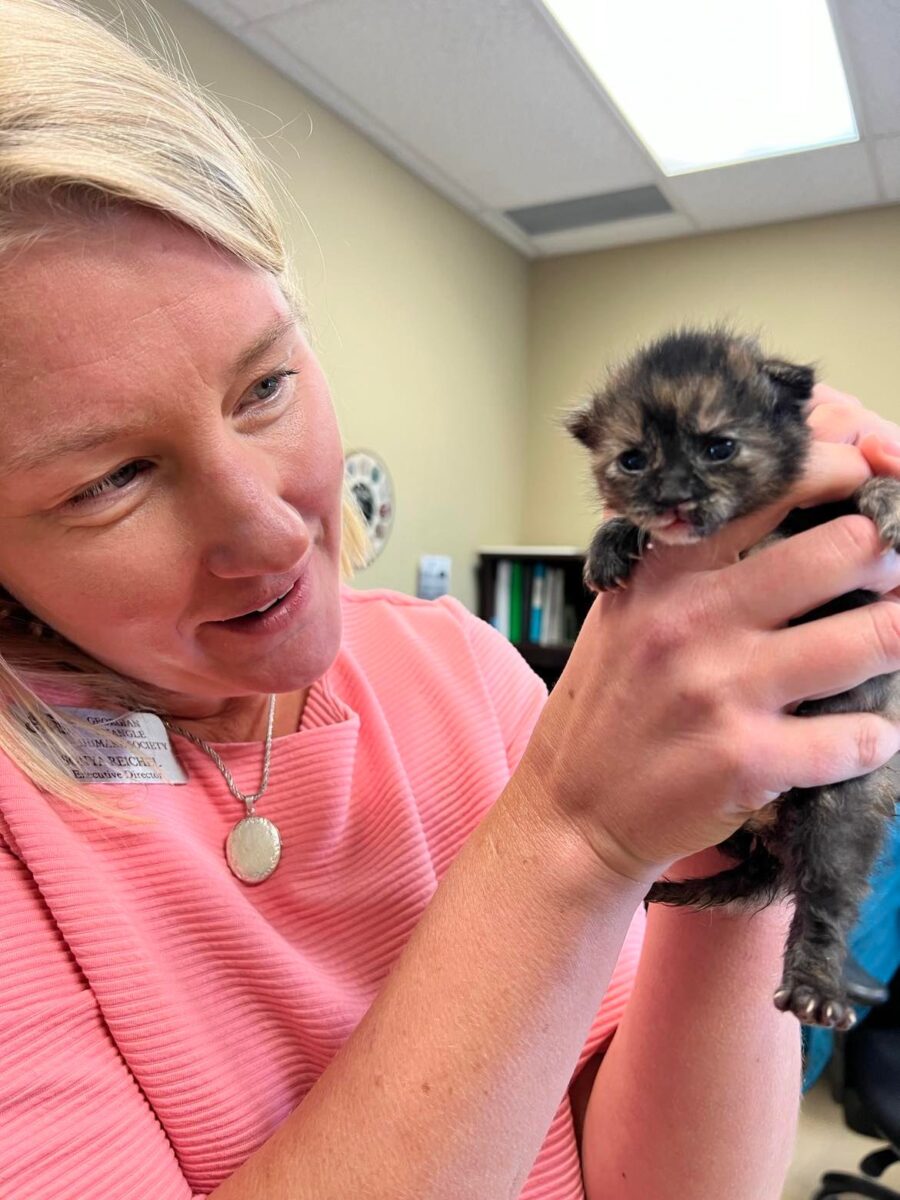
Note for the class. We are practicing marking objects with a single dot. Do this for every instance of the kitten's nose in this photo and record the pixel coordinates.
(679, 488)
(676, 497)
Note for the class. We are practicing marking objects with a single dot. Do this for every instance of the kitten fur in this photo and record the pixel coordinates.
(694, 430)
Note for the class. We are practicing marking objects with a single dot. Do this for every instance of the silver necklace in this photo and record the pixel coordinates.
(253, 848)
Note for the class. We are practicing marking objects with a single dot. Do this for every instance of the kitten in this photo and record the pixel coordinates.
(693, 431)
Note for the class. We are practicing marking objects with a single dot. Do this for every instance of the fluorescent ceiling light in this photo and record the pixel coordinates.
(704, 83)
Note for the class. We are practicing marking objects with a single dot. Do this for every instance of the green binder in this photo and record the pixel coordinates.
(515, 603)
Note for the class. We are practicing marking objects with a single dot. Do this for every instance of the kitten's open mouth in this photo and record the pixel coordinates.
(673, 527)
(675, 521)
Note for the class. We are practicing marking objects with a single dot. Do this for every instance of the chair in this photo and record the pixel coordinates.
(866, 1080)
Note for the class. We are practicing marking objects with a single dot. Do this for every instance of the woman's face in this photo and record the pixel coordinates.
(213, 481)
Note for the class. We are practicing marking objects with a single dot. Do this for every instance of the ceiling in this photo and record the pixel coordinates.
(486, 101)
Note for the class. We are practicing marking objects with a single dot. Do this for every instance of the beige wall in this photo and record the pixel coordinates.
(420, 315)
(824, 290)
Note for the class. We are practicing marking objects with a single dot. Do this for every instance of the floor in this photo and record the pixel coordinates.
(825, 1143)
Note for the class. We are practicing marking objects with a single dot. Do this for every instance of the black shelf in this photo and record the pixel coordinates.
(547, 661)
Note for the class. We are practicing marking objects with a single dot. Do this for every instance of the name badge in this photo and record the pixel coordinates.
(98, 760)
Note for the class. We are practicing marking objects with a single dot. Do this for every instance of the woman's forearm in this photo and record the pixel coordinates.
(699, 1092)
(447, 1087)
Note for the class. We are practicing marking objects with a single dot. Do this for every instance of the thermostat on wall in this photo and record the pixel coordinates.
(434, 576)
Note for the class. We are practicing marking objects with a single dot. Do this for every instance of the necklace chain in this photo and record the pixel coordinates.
(249, 800)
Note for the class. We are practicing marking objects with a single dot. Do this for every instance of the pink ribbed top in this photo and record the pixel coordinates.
(158, 1019)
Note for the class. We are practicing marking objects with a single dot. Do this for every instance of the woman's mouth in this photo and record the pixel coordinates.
(276, 617)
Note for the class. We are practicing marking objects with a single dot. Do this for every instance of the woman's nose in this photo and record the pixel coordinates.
(249, 527)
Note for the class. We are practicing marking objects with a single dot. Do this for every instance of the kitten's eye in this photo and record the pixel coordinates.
(719, 449)
(633, 460)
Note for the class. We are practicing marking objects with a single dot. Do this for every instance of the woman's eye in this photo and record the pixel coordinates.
(633, 460)
(719, 449)
(270, 384)
(274, 382)
(108, 483)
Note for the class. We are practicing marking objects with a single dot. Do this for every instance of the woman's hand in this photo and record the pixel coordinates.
(834, 417)
(839, 417)
(668, 727)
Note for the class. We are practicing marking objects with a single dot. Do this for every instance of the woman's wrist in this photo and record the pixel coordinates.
(587, 874)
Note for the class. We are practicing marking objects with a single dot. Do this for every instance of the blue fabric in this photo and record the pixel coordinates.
(874, 943)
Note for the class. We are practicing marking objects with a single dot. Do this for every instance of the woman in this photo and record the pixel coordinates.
(409, 992)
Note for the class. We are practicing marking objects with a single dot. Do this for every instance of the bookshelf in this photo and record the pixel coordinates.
(506, 590)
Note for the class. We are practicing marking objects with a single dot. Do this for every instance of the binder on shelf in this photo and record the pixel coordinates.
(548, 624)
(545, 608)
(554, 634)
(529, 602)
(538, 580)
(515, 603)
(501, 596)
(560, 590)
(527, 577)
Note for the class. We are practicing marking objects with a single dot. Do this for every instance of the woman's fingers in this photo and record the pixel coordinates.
(840, 423)
(835, 416)
(884, 459)
(797, 574)
(835, 423)
(832, 655)
(811, 752)
(824, 393)
(882, 454)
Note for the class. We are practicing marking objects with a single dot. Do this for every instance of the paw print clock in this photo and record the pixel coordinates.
(370, 482)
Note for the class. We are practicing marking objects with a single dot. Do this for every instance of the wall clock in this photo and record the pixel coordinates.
(370, 482)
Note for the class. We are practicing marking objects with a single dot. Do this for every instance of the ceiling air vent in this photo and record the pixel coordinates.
(589, 210)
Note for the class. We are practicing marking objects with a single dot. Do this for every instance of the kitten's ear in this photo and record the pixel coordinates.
(581, 423)
(793, 384)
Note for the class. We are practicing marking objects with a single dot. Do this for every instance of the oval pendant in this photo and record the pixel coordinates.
(253, 849)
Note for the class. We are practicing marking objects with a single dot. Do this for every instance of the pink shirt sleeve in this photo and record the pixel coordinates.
(75, 1123)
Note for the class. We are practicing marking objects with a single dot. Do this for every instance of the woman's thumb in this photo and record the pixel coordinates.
(883, 456)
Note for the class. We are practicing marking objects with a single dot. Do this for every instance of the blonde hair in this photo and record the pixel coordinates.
(89, 123)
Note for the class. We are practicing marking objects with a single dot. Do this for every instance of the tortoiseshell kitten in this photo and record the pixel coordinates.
(693, 431)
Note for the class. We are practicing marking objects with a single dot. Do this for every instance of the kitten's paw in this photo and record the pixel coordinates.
(812, 1007)
(602, 577)
(612, 554)
(879, 500)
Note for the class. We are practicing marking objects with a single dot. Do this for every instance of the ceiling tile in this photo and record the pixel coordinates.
(223, 12)
(255, 10)
(380, 135)
(776, 189)
(487, 91)
(870, 31)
